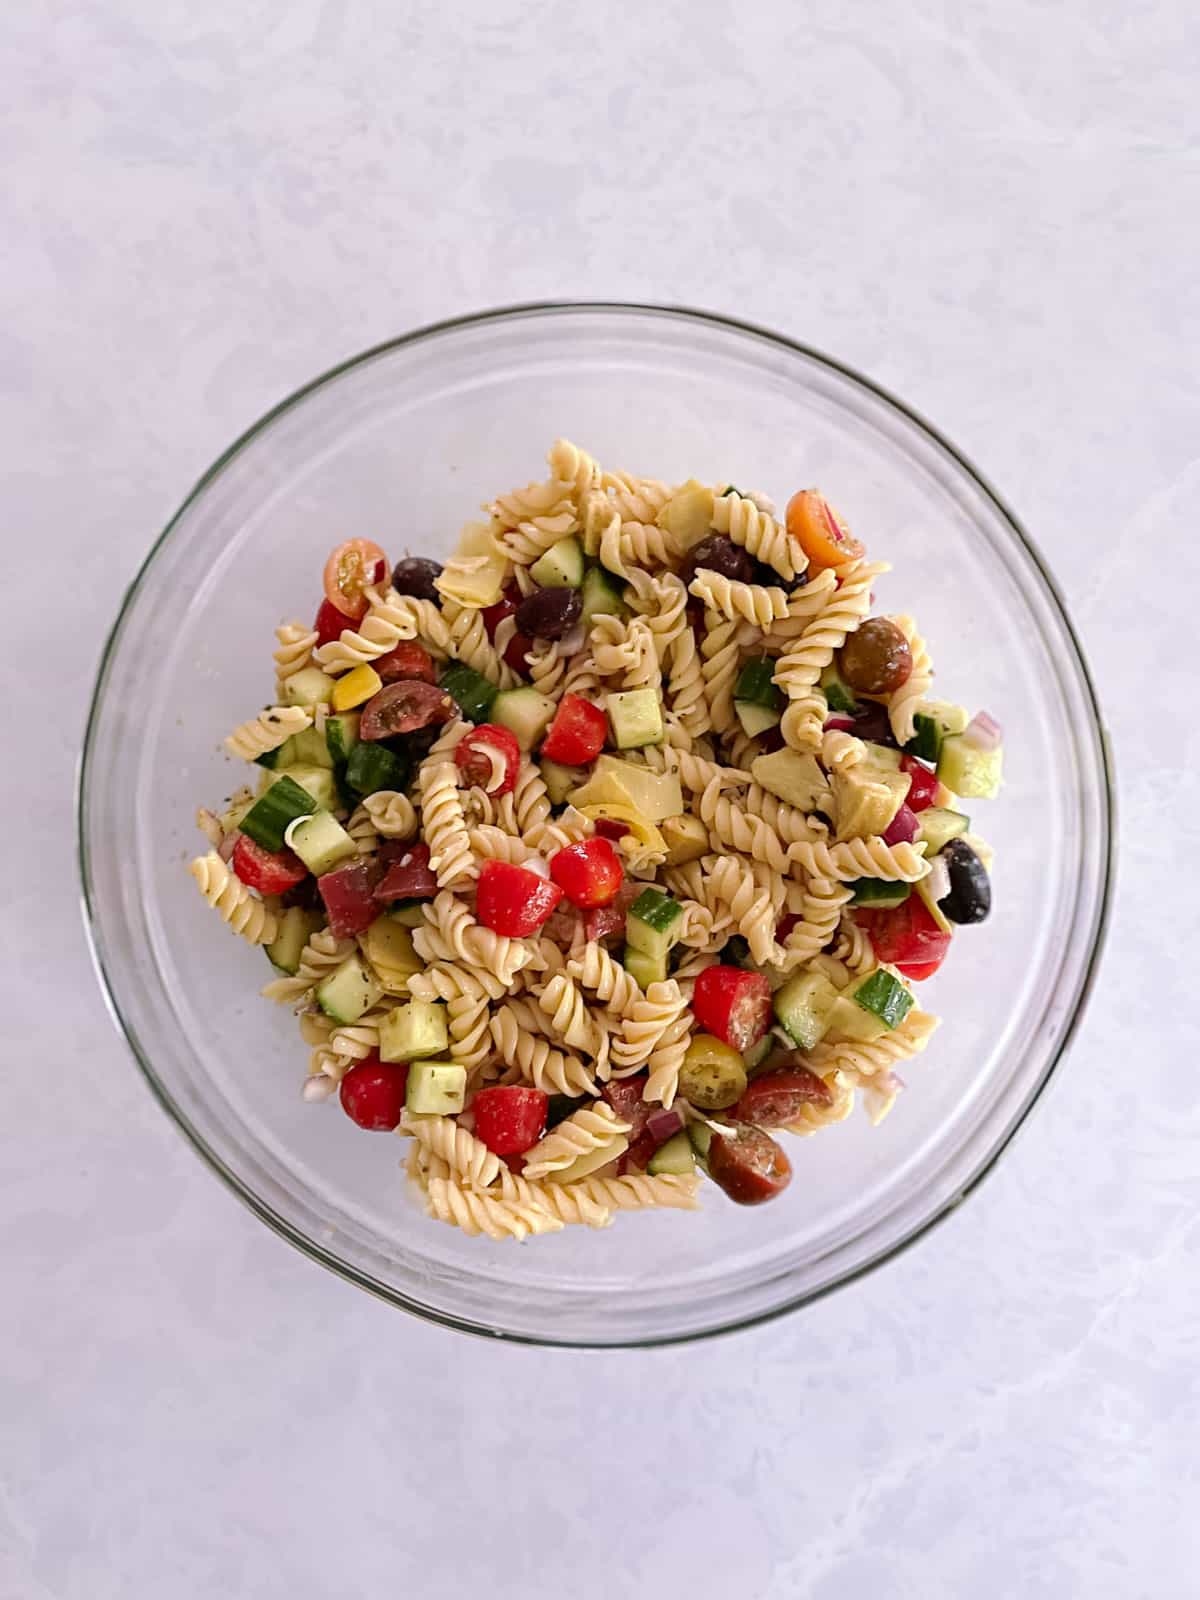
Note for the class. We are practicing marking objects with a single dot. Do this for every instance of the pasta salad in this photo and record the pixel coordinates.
(600, 856)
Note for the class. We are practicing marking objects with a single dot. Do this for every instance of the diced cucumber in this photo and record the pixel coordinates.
(270, 759)
(308, 748)
(879, 894)
(321, 842)
(883, 757)
(602, 596)
(636, 718)
(310, 686)
(341, 735)
(470, 689)
(316, 781)
(968, 769)
(884, 996)
(936, 826)
(642, 968)
(852, 1022)
(435, 1088)
(934, 719)
(560, 567)
(296, 926)
(686, 838)
(755, 719)
(653, 922)
(356, 688)
(561, 782)
(388, 945)
(408, 913)
(524, 712)
(699, 1137)
(414, 1031)
(372, 767)
(348, 991)
(756, 684)
(271, 814)
(804, 1006)
(839, 696)
(756, 1056)
(675, 1156)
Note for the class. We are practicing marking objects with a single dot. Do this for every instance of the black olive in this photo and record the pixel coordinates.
(970, 897)
(871, 722)
(549, 613)
(719, 554)
(414, 575)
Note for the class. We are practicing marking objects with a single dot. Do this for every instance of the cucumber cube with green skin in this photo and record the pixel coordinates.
(936, 826)
(636, 718)
(341, 735)
(839, 696)
(642, 968)
(271, 814)
(970, 770)
(309, 687)
(308, 748)
(675, 1156)
(755, 719)
(316, 781)
(524, 712)
(472, 692)
(561, 567)
(699, 1137)
(435, 1088)
(561, 782)
(756, 684)
(653, 922)
(372, 767)
(879, 893)
(850, 1021)
(933, 721)
(602, 596)
(884, 996)
(408, 913)
(414, 1031)
(296, 927)
(348, 992)
(804, 1006)
(270, 759)
(756, 1057)
(321, 842)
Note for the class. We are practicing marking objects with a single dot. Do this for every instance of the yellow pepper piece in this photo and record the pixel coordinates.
(356, 688)
(644, 832)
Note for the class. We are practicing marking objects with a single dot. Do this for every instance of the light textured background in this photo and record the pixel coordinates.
(992, 209)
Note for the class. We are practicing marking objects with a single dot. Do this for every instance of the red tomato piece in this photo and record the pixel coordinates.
(513, 901)
(577, 734)
(777, 1098)
(733, 1005)
(351, 568)
(748, 1165)
(268, 871)
(510, 1118)
(473, 761)
(589, 873)
(918, 971)
(403, 708)
(330, 623)
(348, 893)
(408, 660)
(372, 1093)
(908, 933)
(515, 651)
(408, 878)
(922, 792)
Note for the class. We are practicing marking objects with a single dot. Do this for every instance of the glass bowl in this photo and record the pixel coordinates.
(403, 444)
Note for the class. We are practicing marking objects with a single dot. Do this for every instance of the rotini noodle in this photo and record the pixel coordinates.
(228, 896)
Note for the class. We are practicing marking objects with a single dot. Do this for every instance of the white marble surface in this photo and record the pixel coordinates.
(991, 209)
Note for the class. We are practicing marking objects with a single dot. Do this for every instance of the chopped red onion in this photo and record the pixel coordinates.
(984, 732)
(838, 724)
(903, 828)
(572, 640)
(228, 845)
(663, 1125)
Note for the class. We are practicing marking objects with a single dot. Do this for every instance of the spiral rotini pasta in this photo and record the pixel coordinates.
(659, 878)
(267, 731)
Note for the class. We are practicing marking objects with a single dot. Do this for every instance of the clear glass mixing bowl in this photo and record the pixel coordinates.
(402, 444)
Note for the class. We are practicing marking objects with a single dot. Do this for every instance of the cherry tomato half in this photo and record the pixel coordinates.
(589, 873)
(907, 934)
(351, 568)
(513, 901)
(407, 660)
(922, 791)
(918, 971)
(372, 1093)
(510, 1118)
(821, 533)
(778, 1098)
(330, 623)
(733, 1005)
(403, 708)
(473, 758)
(577, 734)
(268, 871)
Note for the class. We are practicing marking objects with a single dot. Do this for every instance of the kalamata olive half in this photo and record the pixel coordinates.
(876, 659)
(404, 707)
(719, 554)
(872, 723)
(414, 575)
(970, 897)
(549, 613)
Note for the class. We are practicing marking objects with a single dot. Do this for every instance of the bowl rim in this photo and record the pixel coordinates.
(1101, 919)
